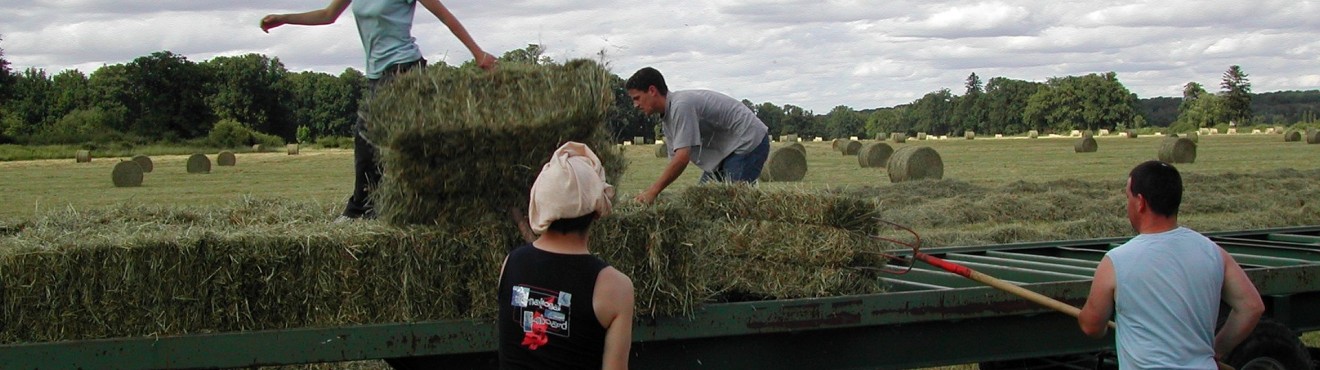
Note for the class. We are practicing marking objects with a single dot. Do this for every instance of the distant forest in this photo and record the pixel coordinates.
(1280, 107)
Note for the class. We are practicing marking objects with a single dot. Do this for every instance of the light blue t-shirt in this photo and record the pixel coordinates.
(1167, 299)
(714, 124)
(386, 30)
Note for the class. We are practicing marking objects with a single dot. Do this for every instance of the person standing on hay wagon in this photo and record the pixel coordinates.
(385, 27)
(1166, 285)
(560, 307)
(709, 129)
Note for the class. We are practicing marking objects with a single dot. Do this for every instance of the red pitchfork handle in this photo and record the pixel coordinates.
(1011, 288)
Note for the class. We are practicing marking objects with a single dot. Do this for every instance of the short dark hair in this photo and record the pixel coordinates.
(645, 78)
(1160, 184)
(578, 224)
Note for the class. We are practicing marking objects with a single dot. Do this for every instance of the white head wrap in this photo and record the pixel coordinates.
(571, 185)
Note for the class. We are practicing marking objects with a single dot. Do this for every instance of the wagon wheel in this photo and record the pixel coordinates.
(1270, 346)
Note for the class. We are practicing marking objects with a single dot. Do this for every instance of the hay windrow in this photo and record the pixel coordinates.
(1177, 150)
(144, 161)
(785, 164)
(82, 156)
(915, 163)
(1086, 144)
(874, 155)
(199, 163)
(226, 158)
(127, 174)
(468, 139)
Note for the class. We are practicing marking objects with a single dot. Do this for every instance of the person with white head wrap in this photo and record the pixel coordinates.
(559, 304)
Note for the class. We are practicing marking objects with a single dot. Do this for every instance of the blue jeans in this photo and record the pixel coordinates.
(740, 167)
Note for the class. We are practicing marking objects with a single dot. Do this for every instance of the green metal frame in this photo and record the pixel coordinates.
(926, 315)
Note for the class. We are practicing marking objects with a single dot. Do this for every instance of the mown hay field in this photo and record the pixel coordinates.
(325, 176)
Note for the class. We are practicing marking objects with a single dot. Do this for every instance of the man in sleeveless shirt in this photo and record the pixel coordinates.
(1166, 285)
(385, 27)
(712, 130)
(560, 307)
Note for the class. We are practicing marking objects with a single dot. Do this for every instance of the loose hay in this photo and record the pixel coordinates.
(1177, 150)
(458, 143)
(82, 156)
(1086, 145)
(144, 161)
(850, 147)
(915, 163)
(292, 149)
(785, 164)
(226, 158)
(199, 163)
(874, 155)
(127, 174)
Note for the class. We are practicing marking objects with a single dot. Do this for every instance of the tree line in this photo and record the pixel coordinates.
(164, 97)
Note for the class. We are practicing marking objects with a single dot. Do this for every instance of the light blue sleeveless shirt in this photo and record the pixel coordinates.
(386, 30)
(1167, 300)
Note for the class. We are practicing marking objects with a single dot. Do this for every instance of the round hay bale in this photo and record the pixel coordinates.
(292, 149)
(199, 163)
(850, 147)
(1131, 134)
(1086, 145)
(882, 136)
(1312, 136)
(798, 146)
(126, 174)
(899, 137)
(258, 148)
(144, 161)
(785, 164)
(82, 156)
(1177, 150)
(1033, 134)
(834, 144)
(969, 134)
(1193, 136)
(225, 158)
(915, 163)
(921, 136)
(1292, 135)
(660, 151)
(874, 155)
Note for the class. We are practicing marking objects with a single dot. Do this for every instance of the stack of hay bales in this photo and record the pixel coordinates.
(1291, 136)
(1312, 136)
(292, 149)
(127, 174)
(225, 158)
(1087, 144)
(459, 145)
(874, 155)
(785, 164)
(82, 156)
(199, 163)
(850, 147)
(898, 137)
(144, 162)
(1177, 150)
(915, 163)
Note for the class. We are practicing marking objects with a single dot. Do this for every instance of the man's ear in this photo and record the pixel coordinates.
(1142, 205)
(652, 90)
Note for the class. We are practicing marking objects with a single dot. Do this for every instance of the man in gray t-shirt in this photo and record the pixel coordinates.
(712, 130)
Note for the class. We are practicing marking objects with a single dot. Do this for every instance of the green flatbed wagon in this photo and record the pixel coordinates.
(927, 318)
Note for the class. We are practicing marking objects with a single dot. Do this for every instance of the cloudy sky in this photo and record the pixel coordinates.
(816, 54)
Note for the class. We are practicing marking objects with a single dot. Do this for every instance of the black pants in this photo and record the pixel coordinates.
(365, 168)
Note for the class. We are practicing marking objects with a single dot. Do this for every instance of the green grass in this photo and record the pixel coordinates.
(11, 152)
(326, 175)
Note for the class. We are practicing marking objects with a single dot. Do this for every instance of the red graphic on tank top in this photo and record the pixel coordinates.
(542, 313)
(536, 337)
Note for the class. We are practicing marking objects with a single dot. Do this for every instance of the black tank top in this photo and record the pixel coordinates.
(546, 318)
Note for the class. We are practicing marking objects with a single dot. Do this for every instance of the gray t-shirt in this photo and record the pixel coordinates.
(714, 125)
(1167, 300)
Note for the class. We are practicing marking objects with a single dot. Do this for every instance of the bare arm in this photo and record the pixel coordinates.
(483, 59)
(1094, 318)
(311, 18)
(671, 173)
(613, 303)
(1245, 304)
